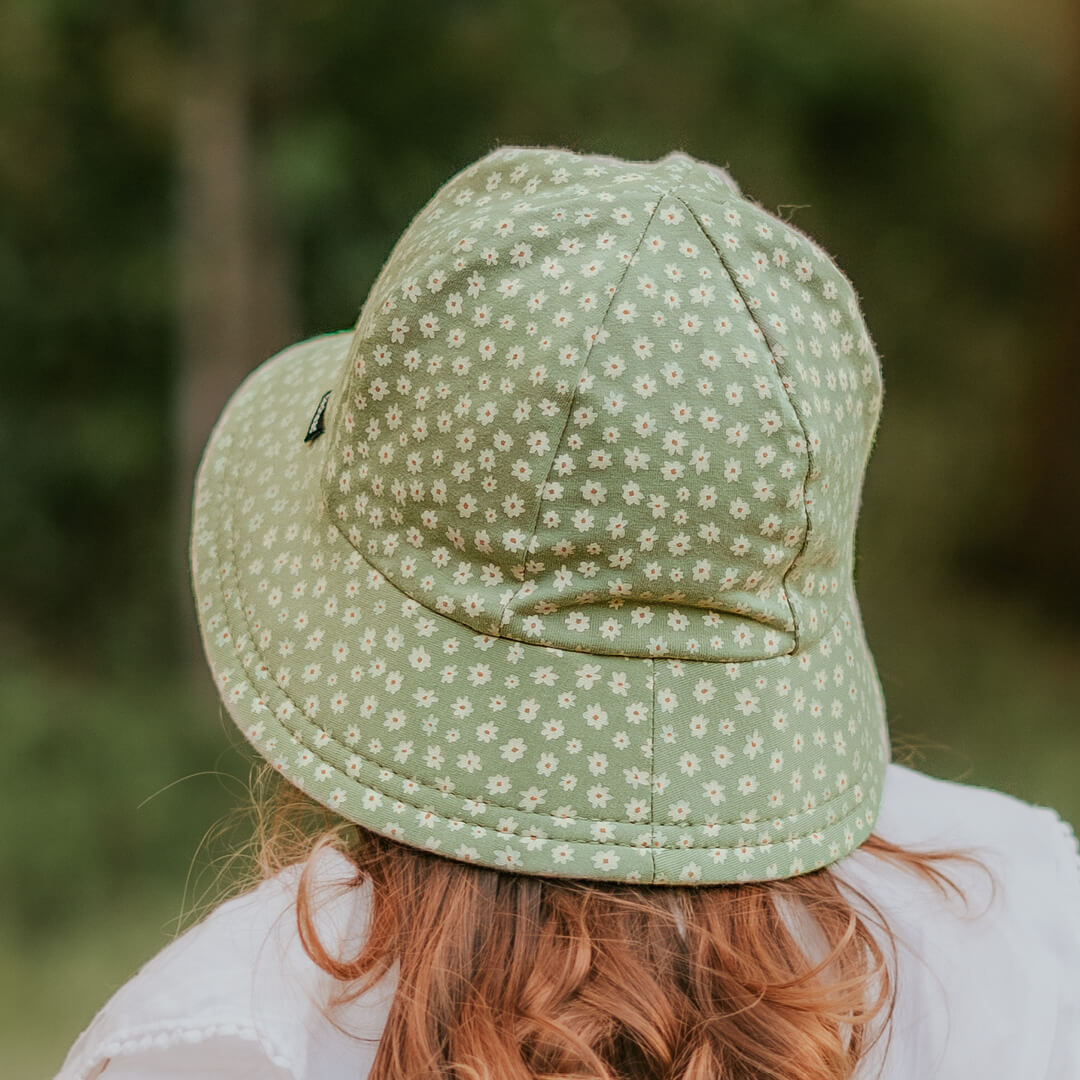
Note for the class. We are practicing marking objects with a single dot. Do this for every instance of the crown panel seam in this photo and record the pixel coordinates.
(570, 408)
(798, 417)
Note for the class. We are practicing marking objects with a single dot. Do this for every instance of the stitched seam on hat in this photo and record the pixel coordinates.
(652, 766)
(798, 418)
(573, 398)
(499, 806)
(556, 839)
(513, 809)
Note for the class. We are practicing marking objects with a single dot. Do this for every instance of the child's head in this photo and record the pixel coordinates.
(547, 565)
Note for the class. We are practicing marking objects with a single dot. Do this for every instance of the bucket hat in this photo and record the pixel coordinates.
(546, 565)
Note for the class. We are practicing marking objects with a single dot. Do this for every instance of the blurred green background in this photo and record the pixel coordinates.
(186, 187)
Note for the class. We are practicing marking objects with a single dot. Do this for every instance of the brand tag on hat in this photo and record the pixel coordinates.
(317, 425)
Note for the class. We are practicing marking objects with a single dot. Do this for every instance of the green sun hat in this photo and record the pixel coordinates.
(547, 564)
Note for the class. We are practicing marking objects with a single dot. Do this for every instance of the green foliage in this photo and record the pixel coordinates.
(924, 145)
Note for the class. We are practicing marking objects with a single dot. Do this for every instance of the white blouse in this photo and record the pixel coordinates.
(991, 991)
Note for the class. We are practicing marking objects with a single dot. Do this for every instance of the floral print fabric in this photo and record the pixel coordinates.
(565, 587)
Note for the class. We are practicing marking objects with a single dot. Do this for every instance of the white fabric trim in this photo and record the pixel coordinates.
(991, 990)
(168, 1035)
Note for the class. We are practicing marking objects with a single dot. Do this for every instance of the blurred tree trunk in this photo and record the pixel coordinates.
(1046, 535)
(236, 304)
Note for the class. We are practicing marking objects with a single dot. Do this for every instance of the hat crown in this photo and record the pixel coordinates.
(389, 602)
(608, 406)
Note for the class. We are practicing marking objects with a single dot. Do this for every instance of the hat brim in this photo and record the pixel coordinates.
(386, 711)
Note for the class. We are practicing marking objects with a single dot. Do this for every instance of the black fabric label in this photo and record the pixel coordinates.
(317, 425)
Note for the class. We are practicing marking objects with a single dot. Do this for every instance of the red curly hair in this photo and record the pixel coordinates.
(508, 976)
